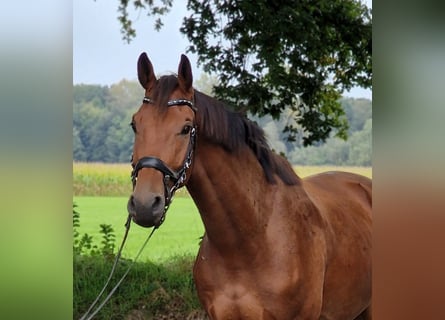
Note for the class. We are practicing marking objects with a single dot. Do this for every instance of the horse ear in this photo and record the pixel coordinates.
(146, 74)
(185, 76)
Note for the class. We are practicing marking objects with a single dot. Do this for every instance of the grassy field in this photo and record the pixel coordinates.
(304, 171)
(100, 179)
(101, 192)
(178, 235)
(103, 179)
(160, 284)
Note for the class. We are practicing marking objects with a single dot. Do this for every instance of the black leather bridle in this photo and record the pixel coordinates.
(173, 180)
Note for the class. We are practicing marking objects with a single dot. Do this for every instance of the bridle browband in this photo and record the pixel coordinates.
(176, 102)
(179, 177)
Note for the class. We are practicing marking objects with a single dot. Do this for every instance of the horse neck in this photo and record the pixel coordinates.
(228, 189)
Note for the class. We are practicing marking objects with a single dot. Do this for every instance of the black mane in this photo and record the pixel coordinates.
(231, 130)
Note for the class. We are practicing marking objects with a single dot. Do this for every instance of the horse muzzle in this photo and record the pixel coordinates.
(148, 212)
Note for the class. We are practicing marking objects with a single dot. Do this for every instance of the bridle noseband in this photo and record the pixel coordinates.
(179, 177)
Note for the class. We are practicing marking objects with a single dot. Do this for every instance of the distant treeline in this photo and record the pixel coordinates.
(101, 131)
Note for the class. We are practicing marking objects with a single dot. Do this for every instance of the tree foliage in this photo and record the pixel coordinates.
(101, 131)
(101, 117)
(274, 55)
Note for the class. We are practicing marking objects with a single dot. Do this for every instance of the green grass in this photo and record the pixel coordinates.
(160, 283)
(149, 290)
(178, 235)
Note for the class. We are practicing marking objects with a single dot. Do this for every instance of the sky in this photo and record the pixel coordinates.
(100, 56)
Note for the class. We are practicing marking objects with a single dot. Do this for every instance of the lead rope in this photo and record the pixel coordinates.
(88, 316)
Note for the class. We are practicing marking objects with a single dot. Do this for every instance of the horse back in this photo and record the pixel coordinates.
(339, 185)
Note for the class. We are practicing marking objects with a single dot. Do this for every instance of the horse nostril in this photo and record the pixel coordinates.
(150, 207)
(157, 202)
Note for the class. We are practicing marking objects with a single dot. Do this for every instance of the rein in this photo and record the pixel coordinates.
(173, 179)
(88, 314)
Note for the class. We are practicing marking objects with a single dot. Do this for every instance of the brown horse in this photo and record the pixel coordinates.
(276, 246)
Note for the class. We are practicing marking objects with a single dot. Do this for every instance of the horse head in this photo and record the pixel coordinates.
(164, 128)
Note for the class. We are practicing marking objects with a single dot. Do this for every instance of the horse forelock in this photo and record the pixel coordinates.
(164, 87)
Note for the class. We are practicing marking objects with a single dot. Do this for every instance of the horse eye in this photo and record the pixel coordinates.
(186, 129)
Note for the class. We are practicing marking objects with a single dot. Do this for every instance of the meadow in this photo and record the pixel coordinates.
(179, 234)
(101, 192)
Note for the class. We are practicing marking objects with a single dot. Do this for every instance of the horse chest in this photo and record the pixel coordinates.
(245, 293)
(230, 298)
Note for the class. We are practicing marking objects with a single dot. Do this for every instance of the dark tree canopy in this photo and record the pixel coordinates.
(273, 55)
